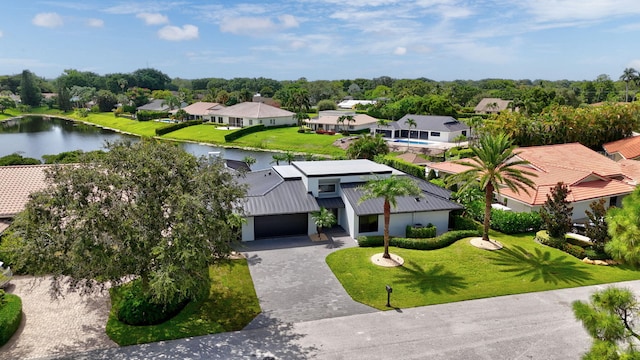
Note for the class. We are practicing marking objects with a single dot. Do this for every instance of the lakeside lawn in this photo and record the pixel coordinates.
(462, 272)
(201, 133)
(289, 139)
(231, 305)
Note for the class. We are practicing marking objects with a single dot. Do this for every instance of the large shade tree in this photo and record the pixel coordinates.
(492, 166)
(389, 189)
(146, 210)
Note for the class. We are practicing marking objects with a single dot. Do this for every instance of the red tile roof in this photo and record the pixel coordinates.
(588, 174)
(16, 183)
(629, 147)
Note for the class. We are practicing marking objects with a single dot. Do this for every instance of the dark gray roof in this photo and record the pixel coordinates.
(405, 204)
(288, 197)
(331, 203)
(260, 182)
(430, 122)
(154, 105)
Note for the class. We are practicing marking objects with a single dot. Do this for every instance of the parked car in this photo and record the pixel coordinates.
(580, 227)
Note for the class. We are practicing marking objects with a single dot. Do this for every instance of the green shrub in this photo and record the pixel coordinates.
(406, 167)
(465, 223)
(133, 307)
(574, 250)
(510, 222)
(129, 109)
(244, 131)
(439, 242)
(147, 115)
(594, 254)
(173, 127)
(422, 232)
(10, 316)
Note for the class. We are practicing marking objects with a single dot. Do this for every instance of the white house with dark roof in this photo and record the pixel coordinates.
(281, 200)
(428, 127)
(253, 113)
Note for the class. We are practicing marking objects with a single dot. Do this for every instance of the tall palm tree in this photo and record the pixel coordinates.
(341, 120)
(389, 189)
(349, 119)
(628, 75)
(410, 123)
(493, 166)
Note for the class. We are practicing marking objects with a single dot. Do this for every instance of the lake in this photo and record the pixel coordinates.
(34, 136)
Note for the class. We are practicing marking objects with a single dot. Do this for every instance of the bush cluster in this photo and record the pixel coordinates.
(173, 127)
(406, 167)
(439, 242)
(244, 131)
(510, 222)
(573, 249)
(465, 223)
(133, 307)
(10, 315)
(321, 131)
(147, 115)
(423, 232)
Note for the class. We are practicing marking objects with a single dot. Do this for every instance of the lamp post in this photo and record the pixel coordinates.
(389, 291)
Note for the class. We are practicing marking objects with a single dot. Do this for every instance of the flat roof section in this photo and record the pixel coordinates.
(341, 167)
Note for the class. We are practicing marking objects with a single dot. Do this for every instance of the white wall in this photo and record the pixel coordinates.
(247, 229)
(398, 222)
(579, 207)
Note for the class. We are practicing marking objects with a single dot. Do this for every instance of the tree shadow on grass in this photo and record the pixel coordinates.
(431, 279)
(539, 266)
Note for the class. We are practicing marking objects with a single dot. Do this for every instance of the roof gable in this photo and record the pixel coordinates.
(629, 147)
(253, 110)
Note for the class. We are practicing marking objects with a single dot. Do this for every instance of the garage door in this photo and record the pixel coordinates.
(280, 225)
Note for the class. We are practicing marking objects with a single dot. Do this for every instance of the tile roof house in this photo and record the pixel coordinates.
(627, 148)
(281, 200)
(16, 184)
(201, 110)
(589, 176)
(253, 113)
(328, 120)
(491, 106)
(429, 127)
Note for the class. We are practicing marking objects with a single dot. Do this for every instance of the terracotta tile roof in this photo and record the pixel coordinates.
(16, 183)
(629, 147)
(413, 158)
(588, 174)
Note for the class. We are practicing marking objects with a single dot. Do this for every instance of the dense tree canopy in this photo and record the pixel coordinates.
(147, 209)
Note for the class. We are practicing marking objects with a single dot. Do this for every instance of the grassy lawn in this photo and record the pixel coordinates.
(463, 272)
(232, 304)
(201, 133)
(141, 128)
(289, 139)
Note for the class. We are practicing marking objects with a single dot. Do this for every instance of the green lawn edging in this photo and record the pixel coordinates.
(10, 317)
(439, 242)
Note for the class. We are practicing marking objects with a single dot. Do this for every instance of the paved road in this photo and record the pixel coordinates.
(527, 326)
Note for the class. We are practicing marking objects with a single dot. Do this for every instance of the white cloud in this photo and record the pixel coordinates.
(98, 23)
(288, 21)
(153, 18)
(137, 7)
(400, 50)
(567, 10)
(256, 26)
(176, 33)
(49, 20)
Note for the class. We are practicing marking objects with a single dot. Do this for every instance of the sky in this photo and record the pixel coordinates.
(441, 40)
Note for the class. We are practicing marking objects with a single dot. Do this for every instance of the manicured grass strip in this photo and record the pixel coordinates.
(10, 317)
(200, 133)
(289, 139)
(463, 272)
(141, 128)
(231, 305)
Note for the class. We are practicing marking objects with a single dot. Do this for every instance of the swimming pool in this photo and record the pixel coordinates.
(414, 141)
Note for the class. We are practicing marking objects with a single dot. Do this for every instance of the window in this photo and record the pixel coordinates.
(464, 132)
(327, 188)
(219, 119)
(250, 122)
(435, 133)
(368, 223)
(272, 121)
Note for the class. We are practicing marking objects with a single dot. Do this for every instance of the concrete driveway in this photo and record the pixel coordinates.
(293, 281)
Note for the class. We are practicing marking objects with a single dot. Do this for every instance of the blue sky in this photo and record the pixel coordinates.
(325, 39)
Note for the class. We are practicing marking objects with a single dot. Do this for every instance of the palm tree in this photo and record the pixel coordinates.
(276, 158)
(289, 157)
(493, 166)
(349, 119)
(389, 188)
(249, 160)
(341, 120)
(410, 123)
(301, 117)
(323, 219)
(628, 75)
(171, 101)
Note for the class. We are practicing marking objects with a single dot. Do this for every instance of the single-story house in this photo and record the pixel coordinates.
(201, 110)
(16, 184)
(253, 113)
(328, 120)
(428, 127)
(627, 148)
(351, 104)
(281, 200)
(589, 176)
(492, 106)
(157, 105)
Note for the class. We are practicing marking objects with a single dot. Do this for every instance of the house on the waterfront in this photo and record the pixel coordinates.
(252, 113)
(330, 121)
(281, 200)
(589, 176)
(428, 127)
(201, 110)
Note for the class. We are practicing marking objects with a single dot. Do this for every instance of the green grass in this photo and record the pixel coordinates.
(200, 133)
(289, 139)
(10, 317)
(462, 272)
(231, 305)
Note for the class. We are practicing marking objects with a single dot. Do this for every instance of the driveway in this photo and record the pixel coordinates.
(293, 281)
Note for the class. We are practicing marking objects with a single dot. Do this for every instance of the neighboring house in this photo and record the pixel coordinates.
(201, 110)
(253, 113)
(281, 200)
(413, 159)
(158, 105)
(627, 148)
(429, 127)
(351, 104)
(588, 175)
(492, 106)
(328, 120)
(266, 100)
(16, 184)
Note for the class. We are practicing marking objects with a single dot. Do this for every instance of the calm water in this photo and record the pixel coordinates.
(37, 136)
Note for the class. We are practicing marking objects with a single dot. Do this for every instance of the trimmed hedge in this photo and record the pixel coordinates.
(423, 232)
(146, 115)
(543, 237)
(173, 127)
(406, 167)
(10, 316)
(465, 223)
(510, 222)
(244, 131)
(439, 242)
(134, 308)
